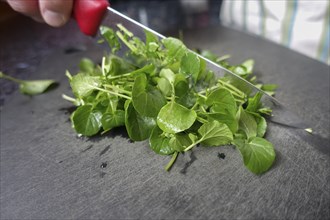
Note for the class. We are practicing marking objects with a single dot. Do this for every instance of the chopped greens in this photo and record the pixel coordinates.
(161, 91)
(30, 87)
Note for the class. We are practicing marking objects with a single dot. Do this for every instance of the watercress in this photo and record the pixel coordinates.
(30, 87)
(161, 91)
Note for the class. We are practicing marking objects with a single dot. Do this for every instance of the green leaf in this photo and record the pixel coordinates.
(239, 70)
(174, 118)
(138, 127)
(221, 101)
(112, 120)
(209, 55)
(227, 118)
(247, 123)
(167, 74)
(248, 64)
(160, 143)
(265, 110)
(254, 103)
(258, 154)
(175, 48)
(119, 66)
(30, 87)
(181, 85)
(215, 133)
(269, 87)
(86, 65)
(150, 37)
(261, 126)
(180, 141)
(110, 36)
(35, 87)
(86, 121)
(164, 86)
(190, 65)
(83, 85)
(147, 100)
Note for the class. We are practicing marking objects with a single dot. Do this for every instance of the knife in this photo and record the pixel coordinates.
(89, 15)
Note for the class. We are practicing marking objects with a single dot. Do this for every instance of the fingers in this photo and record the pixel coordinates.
(29, 8)
(55, 12)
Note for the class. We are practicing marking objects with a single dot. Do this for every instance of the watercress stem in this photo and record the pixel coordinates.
(113, 93)
(68, 98)
(232, 89)
(118, 89)
(122, 38)
(118, 76)
(169, 165)
(192, 145)
(4, 76)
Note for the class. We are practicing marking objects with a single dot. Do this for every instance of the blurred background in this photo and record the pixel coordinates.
(158, 14)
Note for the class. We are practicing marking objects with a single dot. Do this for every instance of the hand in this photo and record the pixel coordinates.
(54, 12)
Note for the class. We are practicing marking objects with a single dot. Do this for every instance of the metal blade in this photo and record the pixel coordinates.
(280, 114)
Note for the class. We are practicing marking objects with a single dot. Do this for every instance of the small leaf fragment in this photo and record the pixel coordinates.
(35, 87)
(309, 130)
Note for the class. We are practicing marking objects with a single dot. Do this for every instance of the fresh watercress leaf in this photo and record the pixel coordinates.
(30, 87)
(174, 118)
(181, 85)
(215, 133)
(190, 65)
(83, 85)
(110, 36)
(138, 127)
(86, 121)
(269, 88)
(221, 101)
(147, 100)
(164, 86)
(248, 64)
(247, 123)
(167, 74)
(258, 154)
(86, 65)
(151, 38)
(175, 48)
(180, 141)
(112, 120)
(261, 126)
(35, 87)
(254, 103)
(160, 143)
(227, 118)
(118, 66)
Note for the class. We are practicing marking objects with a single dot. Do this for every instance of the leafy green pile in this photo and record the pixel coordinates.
(161, 91)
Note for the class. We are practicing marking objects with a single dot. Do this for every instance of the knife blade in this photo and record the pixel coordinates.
(99, 11)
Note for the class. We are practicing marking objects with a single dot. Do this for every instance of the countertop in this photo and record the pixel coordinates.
(48, 172)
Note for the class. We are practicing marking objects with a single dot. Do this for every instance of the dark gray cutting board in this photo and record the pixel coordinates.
(47, 172)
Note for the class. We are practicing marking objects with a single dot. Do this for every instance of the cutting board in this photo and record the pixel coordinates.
(48, 172)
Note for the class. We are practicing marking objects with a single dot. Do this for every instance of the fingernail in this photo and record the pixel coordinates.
(53, 18)
(38, 19)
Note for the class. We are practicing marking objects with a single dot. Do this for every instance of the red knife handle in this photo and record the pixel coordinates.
(89, 14)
